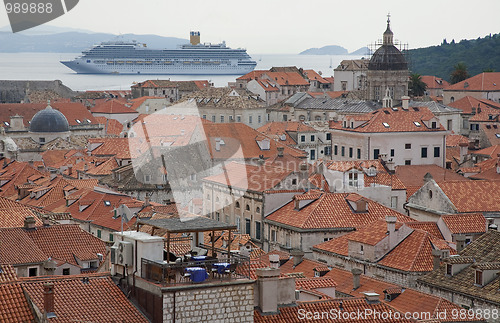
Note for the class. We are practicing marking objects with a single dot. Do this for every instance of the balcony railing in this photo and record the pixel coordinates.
(192, 271)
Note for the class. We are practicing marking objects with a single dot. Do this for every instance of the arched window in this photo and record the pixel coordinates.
(430, 194)
(237, 205)
(452, 99)
(257, 209)
(247, 207)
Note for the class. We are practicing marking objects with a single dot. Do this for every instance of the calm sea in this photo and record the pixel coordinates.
(46, 66)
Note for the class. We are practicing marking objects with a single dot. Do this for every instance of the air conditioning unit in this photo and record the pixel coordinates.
(114, 252)
(124, 254)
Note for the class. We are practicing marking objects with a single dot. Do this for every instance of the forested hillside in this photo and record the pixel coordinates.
(479, 55)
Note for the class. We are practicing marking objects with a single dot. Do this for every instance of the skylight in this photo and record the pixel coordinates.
(497, 135)
(385, 124)
(417, 123)
(78, 121)
(394, 109)
(6, 123)
(386, 112)
(89, 121)
(107, 203)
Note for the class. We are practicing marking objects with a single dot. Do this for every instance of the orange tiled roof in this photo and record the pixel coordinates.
(14, 307)
(413, 254)
(486, 82)
(16, 247)
(330, 211)
(454, 140)
(98, 300)
(12, 214)
(336, 94)
(72, 111)
(473, 196)
(434, 82)
(118, 147)
(389, 120)
(344, 281)
(7, 274)
(413, 175)
(252, 75)
(465, 223)
(430, 227)
(111, 126)
(67, 242)
(492, 151)
(111, 107)
(14, 174)
(241, 135)
(468, 103)
(286, 78)
(250, 177)
(313, 75)
(349, 305)
(372, 233)
(315, 282)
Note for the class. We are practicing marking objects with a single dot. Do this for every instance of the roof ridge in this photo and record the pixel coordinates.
(425, 239)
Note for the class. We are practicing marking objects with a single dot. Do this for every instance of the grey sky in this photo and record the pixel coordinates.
(278, 26)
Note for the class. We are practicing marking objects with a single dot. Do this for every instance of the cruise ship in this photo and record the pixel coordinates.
(131, 57)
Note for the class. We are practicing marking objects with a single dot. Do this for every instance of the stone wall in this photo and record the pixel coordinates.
(223, 303)
(17, 91)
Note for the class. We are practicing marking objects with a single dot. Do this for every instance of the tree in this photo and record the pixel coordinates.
(460, 73)
(416, 86)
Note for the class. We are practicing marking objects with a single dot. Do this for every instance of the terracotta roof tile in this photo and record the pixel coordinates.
(483, 250)
(315, 283)
(111, 107)
(330, 211)
(118, 147)
(249, 177)
(14, 306)
(72, 111)
(66, 242)
(7, 273)
(487, 81)
(350, 305)
(389, 120)
(413, 254)
(111, 126)
(430, 227)
(98, 300)
(473, 196)
(434, 82)
(465, 223)
(455, 140)
(413, 175)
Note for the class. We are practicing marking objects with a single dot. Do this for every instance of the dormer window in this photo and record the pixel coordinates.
(434, 125)
(479, 278)
(449, 269)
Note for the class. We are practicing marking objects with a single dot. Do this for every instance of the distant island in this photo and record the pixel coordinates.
(333, 50)
(62, 40)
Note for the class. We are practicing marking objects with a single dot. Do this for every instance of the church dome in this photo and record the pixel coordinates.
(387, 58)
(49, 120)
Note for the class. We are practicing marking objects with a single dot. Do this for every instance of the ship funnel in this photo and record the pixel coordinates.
(194, 37)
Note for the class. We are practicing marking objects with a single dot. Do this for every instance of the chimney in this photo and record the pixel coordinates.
(372, 298)
(274, 261)
(464, 146)
(46, 220)
(303, 176)
(405, 102)
(356, 275)
(460, 239)
(267, 282)
(297, 256)
(473, 110)
(391, 229)
(280, 151)
(70, 169)
(436, 258)
(29, 223)
(48, 300)
(427, 177)
(146, 200)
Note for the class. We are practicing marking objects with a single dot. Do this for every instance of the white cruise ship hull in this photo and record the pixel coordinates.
(81, 66)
